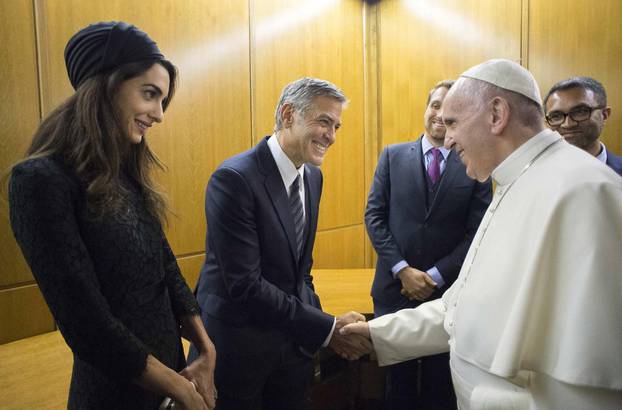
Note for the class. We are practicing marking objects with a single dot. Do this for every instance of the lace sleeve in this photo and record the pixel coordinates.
(42, 199)
(182, 299)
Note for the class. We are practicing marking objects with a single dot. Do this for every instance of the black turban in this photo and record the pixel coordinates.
(104, 46)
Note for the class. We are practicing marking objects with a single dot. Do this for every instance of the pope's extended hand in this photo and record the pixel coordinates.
(358, 328)
(351, 346)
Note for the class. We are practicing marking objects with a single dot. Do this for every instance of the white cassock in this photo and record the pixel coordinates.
(534, 319)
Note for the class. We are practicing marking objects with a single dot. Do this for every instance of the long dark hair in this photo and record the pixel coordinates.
(85, 133)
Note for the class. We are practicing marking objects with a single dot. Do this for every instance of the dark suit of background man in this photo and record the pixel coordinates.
(577, 109)
(421, 215)
(255, 288)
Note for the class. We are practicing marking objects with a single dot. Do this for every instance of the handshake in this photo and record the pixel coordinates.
(351, 338)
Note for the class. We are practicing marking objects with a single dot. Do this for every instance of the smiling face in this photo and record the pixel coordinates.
(434, 127)
(139, 102)
(305, 137)
(465, 119)
(583, 134)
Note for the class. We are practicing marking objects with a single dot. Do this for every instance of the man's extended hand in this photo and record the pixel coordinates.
(416, 284)
(352, 346)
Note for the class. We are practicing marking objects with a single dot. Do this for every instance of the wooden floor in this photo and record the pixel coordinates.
(35, 372)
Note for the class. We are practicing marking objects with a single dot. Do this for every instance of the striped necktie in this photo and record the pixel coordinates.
(296, 206)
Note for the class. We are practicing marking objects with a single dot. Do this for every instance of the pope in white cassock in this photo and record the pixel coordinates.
(534, 320)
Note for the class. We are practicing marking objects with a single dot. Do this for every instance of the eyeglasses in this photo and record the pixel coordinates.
(557, 118)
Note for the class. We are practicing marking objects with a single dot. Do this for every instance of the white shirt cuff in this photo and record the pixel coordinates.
(330, 334)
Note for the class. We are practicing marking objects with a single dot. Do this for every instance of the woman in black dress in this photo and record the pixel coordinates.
(88, 219)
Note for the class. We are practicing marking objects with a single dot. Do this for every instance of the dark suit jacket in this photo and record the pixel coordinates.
(251, 278)
(614, 161)
(402, 228)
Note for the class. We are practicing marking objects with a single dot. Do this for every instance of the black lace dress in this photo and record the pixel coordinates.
(113, 285)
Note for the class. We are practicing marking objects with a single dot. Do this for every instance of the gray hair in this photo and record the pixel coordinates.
(300, 95)
(528, 112)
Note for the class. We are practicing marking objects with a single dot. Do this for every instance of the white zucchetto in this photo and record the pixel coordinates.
(508, 75)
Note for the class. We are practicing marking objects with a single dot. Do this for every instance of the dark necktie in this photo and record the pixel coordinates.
(296, 206)
(434, 167)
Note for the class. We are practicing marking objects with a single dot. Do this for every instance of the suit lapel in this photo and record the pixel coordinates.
(311, 198)
(415, 166)
(452, 166)
(277, 194)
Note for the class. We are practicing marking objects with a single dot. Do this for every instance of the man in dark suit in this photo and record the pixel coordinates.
(421, 215)
(577, 109)
(255, 289)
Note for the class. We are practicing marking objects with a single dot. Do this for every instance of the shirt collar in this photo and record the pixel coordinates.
(426, 146)
(602, 156)
(512, 166)
(286, 167)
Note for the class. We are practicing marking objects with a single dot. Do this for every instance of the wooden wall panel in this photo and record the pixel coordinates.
(234, 59)
(343, 290)
(23, 313)
(208, 120)
(340, 248)
(19, 117)
(422, 43)
(573, 38)
(190, 267)
(372, 110)
(316, 38)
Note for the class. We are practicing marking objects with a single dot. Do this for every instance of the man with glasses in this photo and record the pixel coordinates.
(533, 319)
(577, 109)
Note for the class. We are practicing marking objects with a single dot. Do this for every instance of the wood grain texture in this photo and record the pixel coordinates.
(324, 39)
(340, 248)
(19, 118)
(579, 38)
(372, 111)
(342, 290)
(190, 267)
(36, 371)
(422, 43)
(209, 118)
(23, 313)
(235, 57)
